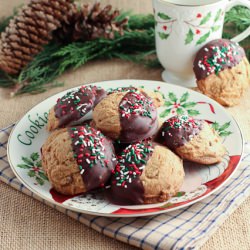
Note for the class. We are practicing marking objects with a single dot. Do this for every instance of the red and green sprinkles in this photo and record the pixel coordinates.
(221, 55)
(71, 102)
(180, 122)
(139, 105)
(90, 147)
(131, 163)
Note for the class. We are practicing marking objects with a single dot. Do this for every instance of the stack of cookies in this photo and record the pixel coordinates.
(122, 149)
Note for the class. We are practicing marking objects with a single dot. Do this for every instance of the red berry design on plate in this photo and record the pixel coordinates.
(197, 32)
(165, 27)
(199, 15)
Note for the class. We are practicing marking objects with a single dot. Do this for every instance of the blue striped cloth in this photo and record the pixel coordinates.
(186, 228)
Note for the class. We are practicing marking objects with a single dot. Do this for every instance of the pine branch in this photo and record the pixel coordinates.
(136, 45)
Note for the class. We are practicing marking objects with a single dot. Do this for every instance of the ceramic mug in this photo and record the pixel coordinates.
(182, 28)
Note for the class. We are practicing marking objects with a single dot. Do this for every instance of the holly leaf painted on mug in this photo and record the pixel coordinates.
(203, 38)
(163, 16)
(189, 37)
(217, 16)
(163, 36)
(215, 28)
(206, 18)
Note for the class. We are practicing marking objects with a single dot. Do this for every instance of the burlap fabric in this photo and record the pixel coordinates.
(29, 224)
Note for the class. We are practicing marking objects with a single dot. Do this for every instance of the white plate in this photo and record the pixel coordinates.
(30, 133)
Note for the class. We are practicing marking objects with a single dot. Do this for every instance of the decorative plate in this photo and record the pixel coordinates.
(201, 181)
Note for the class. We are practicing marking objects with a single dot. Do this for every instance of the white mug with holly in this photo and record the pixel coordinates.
(183, 27)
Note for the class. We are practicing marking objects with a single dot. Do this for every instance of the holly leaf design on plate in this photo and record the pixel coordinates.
(222, 130)
(168, 103)
(165, 113)
(184, 97)
(163, 35)
(31, 173)
(189, 104)
(172, 97)
(189, 37)
(215, 28)
(43, 176)
(24, 166)
(33, 167)
(34, 156)
(203, 38)
(224, 126)
(217, 16)
(27, 161)
(225, 133)
(163, 16)
(206, 18)
(193, 112)
(215, 125)
(40, 181)
(179, 111)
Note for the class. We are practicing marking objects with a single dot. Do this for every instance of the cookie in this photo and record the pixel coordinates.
(77, 160)
(156, 96)
(192, 139)
(145, 173)
(129, 116)
(222, 71)
(74, 106)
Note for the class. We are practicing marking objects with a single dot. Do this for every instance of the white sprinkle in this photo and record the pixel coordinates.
(88, 161)
(82, 171)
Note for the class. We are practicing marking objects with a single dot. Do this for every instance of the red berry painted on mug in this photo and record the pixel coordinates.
(165, 27)
(197, 32)
(199, 15)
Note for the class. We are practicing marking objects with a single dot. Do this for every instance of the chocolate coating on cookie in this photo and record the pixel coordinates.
(178, 130)
(216, 56)
(138, 117)
(77, 103)
(126, 186)
(94, 154)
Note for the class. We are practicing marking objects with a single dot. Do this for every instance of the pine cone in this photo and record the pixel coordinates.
(90, 22)
(29, 31)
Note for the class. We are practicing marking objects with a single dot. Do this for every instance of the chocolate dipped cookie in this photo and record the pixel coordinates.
(129, 116)
(78, 159)
(145, 173)
(222, 71)
(72, 108)
(192, 139)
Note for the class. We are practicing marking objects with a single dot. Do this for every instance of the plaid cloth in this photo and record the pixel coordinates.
(186, 228)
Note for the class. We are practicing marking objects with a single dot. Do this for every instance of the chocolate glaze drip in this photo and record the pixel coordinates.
(216, 56)
(76, 104)
(94, 154)
(138, 117)
(178, 130)
(126, 186)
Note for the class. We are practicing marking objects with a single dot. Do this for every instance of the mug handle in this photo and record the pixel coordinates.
(246, 32)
